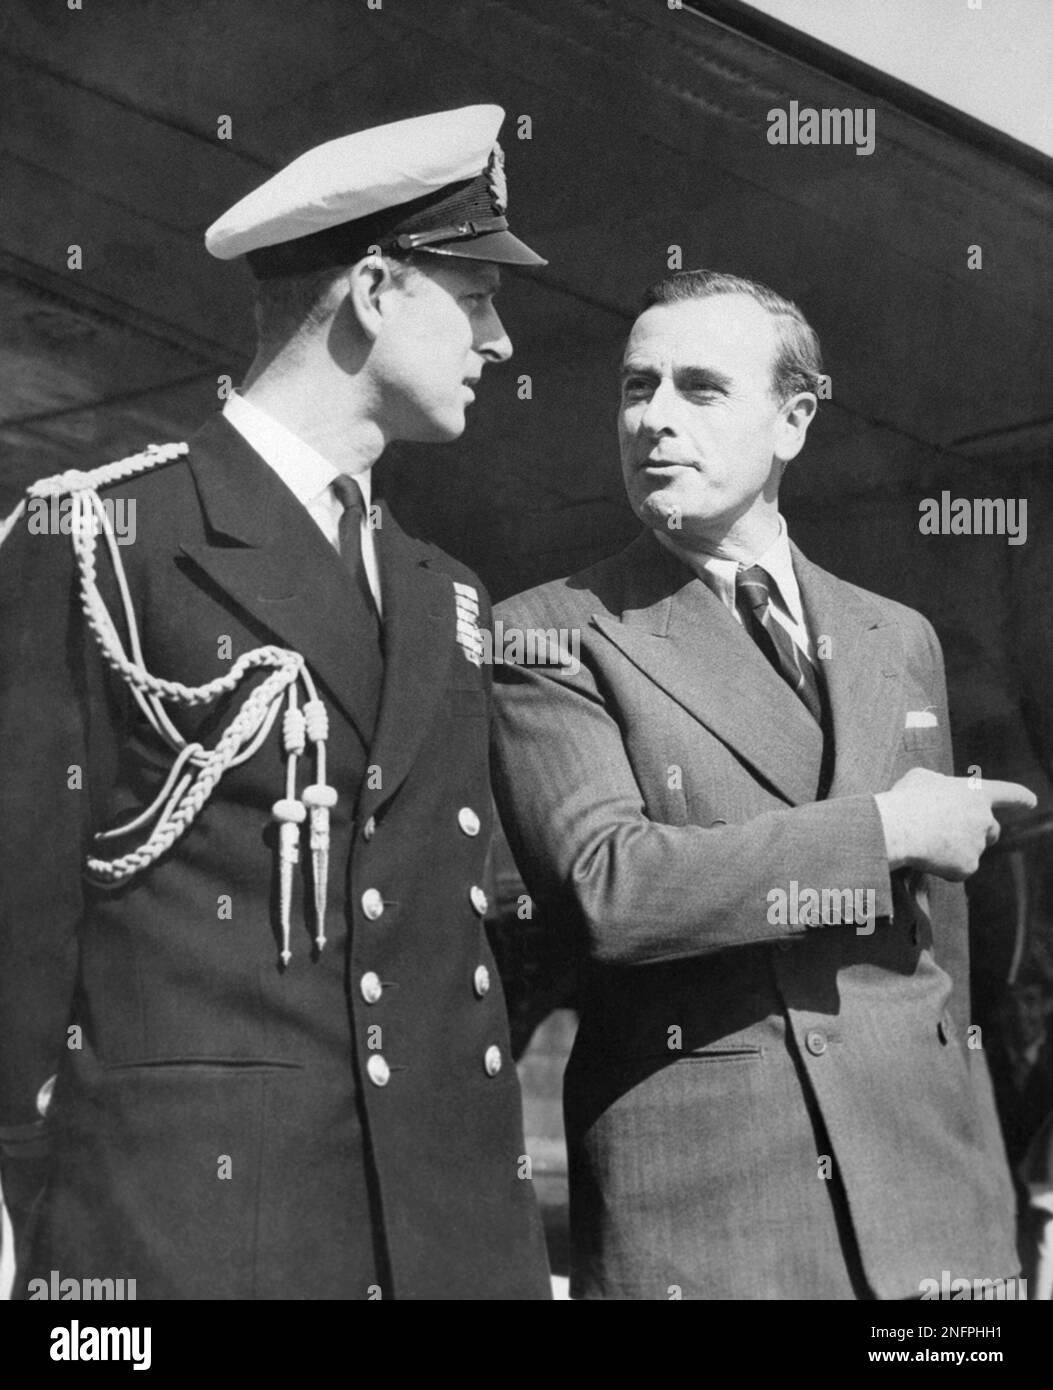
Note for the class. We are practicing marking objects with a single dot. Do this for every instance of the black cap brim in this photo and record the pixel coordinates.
(500, 247)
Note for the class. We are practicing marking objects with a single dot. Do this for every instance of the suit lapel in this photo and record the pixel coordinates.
(264, 551)
(863, 663)
(679, 634)
(419, 642)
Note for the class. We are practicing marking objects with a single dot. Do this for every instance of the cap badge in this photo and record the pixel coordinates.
(495, 172)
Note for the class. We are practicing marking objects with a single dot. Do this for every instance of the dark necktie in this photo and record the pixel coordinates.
(349, 495)
(753, 599)
(365, 621)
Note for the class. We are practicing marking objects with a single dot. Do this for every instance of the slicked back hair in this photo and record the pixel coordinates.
(798, 361)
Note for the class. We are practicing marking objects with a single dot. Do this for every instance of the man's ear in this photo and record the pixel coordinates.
(794, 418)
(368, 281)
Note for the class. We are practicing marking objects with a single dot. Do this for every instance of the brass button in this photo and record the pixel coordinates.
(481, 981)
(815, 1042)
(372, 904)
(478, 898)
(371, 987)
(492, 1061)
(378, 1069)
(469, 821)
(44, 1096)
(370, 828)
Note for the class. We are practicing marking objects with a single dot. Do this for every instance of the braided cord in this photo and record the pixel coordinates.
(253, 712)
(183, 795)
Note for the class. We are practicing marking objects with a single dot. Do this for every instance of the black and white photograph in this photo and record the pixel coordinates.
(526, 667)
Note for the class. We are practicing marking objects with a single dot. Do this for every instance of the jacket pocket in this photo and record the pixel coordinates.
(667, 1051)
(721, 1054)
(925, 739)
(205, 1064)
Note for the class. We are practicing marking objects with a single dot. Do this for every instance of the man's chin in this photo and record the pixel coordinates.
(441, 429)
(659, 511)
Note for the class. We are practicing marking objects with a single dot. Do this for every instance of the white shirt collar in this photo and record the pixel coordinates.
(302, 469)
(719, 574)
(778, 561)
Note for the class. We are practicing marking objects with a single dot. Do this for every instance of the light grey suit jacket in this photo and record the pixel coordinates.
(754, 1110)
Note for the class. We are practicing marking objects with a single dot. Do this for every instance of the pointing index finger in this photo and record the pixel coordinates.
(1010, 794)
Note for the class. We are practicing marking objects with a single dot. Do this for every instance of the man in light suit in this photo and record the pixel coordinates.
(253, 1044)
(732, 772)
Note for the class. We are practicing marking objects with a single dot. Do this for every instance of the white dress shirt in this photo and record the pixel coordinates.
(719, 575)
(307, 475)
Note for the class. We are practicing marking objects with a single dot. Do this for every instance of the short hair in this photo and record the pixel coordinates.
(291, 306)
(798, 361)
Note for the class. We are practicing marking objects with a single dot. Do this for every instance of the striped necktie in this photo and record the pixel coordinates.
(753, 600)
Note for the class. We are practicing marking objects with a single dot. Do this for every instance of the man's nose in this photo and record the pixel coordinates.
(492, 342)
(659, 415)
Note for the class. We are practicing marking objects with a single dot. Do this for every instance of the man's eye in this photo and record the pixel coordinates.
(701, 388)
(636, 386)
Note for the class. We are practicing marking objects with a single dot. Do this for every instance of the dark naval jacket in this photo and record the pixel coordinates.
(223, 1125)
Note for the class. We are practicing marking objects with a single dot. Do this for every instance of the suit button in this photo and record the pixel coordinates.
(783, 945)
(815, 1042)
(478, 898)
(372, 904)
(378, 1069)
(370, 828)
(492, 1060)
(481, 981)
(469, 821)
(371, 987)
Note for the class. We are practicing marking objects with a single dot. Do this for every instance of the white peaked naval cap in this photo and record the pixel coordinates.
(431, 183)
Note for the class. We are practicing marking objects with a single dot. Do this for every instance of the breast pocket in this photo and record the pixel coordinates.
(924, 746)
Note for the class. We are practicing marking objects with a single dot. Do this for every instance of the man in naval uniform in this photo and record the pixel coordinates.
(253, 1041)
